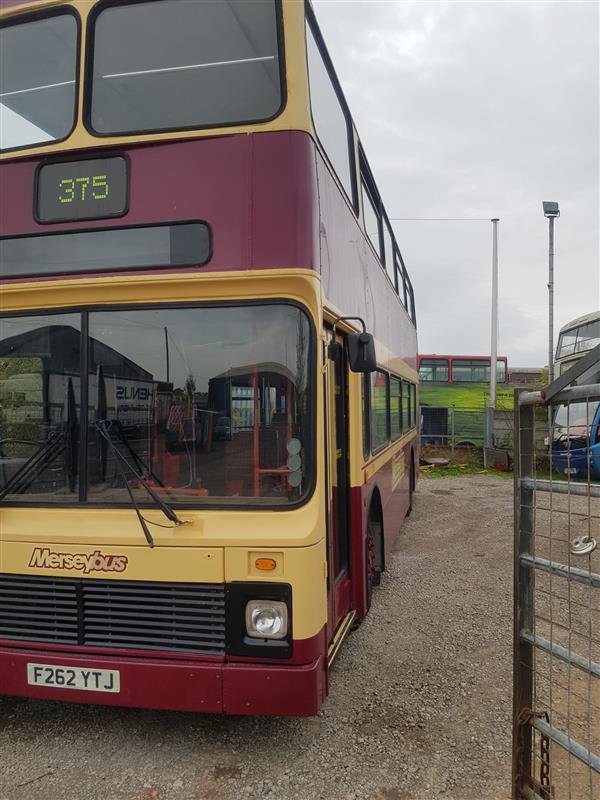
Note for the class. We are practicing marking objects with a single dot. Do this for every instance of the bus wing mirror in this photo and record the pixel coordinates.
(361, 352)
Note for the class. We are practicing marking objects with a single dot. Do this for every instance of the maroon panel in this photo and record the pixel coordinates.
(283, 691)
(178, 685)
(145, 683)
(395, 504)
(182, 683)
(284, 189)
(257, 193)
(270, 201)
(304, 651)
(358, 528)
(10, 3)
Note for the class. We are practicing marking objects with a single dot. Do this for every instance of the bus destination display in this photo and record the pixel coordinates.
(74, 190)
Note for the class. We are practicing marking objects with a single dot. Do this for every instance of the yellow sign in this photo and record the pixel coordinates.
(397, 469)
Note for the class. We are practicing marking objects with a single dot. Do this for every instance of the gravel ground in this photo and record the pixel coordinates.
(419, 708)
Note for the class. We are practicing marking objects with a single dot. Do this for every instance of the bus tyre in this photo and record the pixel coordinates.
(372, 568)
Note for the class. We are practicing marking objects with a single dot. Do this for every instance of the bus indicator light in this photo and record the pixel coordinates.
(266, 564)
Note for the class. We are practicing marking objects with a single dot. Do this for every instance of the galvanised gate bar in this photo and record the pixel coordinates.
(556, 702)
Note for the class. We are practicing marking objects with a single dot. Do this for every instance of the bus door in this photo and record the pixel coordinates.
(338, 516)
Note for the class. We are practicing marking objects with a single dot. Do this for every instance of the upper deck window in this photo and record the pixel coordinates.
(434, 369)
(372, 219)
(388, 244)
(579, 340)
(567, 343)
(37, 80)
(175, 64)
(329, 113)
(476, 371)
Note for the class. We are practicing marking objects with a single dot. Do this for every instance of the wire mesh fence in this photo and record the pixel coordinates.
(556, 733)
(453, 427)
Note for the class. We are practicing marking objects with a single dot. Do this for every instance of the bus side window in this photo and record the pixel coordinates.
(395, 408)
(388, 252)
(365, 415)
(380, 392)
(329, 112)
(405, 407)
(372, 219)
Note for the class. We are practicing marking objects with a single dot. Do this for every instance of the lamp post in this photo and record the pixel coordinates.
(489, 437)
(551, 211)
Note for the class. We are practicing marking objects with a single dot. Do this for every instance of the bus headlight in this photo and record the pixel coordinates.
(266, 619)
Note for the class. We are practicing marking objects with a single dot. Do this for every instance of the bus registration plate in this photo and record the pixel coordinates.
(90, 680)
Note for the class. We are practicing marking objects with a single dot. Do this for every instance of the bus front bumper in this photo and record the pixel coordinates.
(176, 685)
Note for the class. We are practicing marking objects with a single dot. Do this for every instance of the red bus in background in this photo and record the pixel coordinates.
(437, 368)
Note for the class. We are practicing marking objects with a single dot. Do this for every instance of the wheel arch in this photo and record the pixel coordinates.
(375, 511)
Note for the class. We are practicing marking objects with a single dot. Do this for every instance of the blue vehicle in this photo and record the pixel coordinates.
(576, 440)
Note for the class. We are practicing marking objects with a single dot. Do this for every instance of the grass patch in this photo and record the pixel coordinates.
(473, 396)
(459, 471)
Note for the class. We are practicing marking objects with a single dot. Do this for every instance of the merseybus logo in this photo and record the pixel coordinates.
(44, 558)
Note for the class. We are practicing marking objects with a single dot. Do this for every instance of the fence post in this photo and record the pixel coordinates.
(452, 428)
(524, 463)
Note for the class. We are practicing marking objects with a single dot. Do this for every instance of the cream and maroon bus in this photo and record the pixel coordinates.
(202, 468)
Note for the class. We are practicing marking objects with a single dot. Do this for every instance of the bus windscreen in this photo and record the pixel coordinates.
(579, 339)
(210, 405)
(37, 80)
(173, 64)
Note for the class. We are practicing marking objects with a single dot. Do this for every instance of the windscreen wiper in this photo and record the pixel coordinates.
(46, 453)
(103, 427)
(57, 443)
(145, 469)
(116, 426)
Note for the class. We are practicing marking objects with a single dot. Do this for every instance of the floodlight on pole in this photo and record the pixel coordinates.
(551, 211)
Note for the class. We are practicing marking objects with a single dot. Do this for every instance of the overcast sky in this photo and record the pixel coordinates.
(480, 109)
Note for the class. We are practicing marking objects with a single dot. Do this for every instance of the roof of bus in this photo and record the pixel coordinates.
(460, 355)
(575, 323)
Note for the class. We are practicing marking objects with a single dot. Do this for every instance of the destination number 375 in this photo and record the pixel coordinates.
(83, 188)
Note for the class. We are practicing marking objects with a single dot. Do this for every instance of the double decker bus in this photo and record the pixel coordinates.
(576, 426)
(208, 377)
(454, 391)
(575, 339)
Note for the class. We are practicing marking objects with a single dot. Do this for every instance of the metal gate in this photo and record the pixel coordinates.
(556, 692)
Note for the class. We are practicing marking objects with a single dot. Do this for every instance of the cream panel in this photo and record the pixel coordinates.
(114, 562)
(114, 527)
(304, 568)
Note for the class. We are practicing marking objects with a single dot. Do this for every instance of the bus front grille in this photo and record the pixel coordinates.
(132, 615)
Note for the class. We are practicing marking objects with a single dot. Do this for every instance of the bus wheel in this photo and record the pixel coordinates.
(373, 544)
